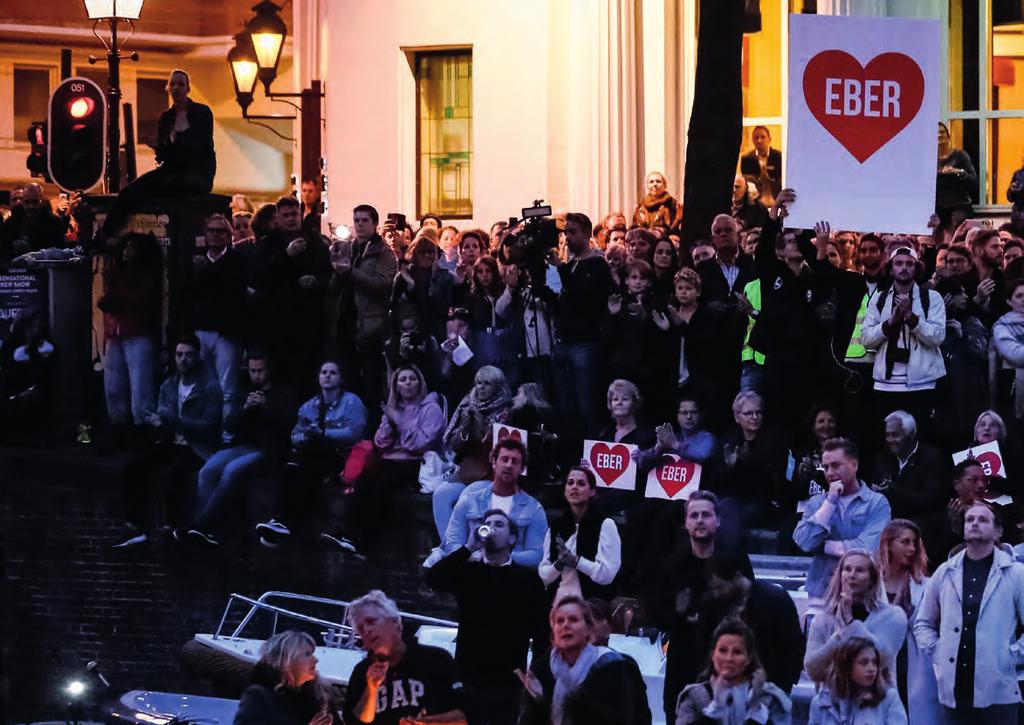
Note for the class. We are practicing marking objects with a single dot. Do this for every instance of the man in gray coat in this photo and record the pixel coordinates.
(967, 623)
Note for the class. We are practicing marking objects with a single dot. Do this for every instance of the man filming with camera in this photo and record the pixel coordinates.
(501, 607)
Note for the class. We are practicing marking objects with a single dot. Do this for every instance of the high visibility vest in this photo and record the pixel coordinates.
(856, 352)
(753, 292)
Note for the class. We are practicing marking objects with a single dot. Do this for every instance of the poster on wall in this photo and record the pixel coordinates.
(21, 290)
(862, 122)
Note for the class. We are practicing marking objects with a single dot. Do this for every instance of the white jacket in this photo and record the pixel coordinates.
(925, 365)
(939, 619)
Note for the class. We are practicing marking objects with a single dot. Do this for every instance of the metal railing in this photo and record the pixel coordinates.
(338, 634)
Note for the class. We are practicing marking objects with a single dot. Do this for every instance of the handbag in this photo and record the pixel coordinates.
(435, 469)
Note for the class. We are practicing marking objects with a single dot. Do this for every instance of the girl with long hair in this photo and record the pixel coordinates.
(856, 690)
(903, 564)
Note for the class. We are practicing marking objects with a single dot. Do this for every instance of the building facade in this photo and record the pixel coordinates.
(473, 109)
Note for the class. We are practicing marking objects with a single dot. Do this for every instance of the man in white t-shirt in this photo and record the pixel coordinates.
(502, 493)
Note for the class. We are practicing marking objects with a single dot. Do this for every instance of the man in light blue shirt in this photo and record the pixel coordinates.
(507, 459)
(848, 516)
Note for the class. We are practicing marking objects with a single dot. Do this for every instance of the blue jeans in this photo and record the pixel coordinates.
(223, 358)
(129, 379)
(221, 477)
(443, 501)
(576, 377)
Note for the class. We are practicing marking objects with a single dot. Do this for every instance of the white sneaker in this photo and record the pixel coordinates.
(131, 541)
(275, 527)
(436, 554)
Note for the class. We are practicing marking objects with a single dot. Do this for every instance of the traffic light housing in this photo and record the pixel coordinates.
(36, 162)
(77, 128)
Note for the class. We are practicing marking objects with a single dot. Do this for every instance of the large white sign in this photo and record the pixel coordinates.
(862, 123)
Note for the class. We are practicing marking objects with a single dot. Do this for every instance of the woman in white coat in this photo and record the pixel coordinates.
(854, 594)
(903, 564)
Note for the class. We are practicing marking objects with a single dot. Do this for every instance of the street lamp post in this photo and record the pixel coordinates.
(113, 12)
(256, 54)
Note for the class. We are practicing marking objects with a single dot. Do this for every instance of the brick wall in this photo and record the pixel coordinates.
(69, 598)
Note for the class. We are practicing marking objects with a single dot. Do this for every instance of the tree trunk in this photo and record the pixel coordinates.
(716, 123)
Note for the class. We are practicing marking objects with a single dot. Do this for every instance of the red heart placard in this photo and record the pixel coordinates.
(863, 107)
(609, 462)
(991, 464)
(674, 476)
(504, 433)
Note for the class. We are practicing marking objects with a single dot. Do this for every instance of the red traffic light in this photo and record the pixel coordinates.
(81, 107)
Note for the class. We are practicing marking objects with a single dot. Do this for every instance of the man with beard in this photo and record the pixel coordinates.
(906, 325)
(491, 591)
(676, 593)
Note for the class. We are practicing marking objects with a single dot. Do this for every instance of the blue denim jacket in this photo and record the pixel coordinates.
(860, 528)
(344, 423)
(526, 512)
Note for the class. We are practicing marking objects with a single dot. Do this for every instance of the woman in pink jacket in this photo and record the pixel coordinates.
(412, 424)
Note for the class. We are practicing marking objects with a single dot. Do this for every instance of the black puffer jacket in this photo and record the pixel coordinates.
(264, 703)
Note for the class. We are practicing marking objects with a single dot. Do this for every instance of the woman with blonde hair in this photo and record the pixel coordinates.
(855, 594)
(286, 689)
(903, 564)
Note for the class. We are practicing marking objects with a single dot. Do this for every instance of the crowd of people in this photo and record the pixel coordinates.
(822, 379)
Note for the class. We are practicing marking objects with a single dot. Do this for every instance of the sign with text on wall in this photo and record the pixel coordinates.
(612, 464)
(862, 119)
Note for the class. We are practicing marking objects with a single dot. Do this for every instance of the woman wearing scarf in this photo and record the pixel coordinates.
(658, 207)
(579, 683)
(468, 440)
(736, 690)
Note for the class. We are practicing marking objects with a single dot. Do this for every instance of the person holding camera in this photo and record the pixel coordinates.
(906, 325)
(501, 608)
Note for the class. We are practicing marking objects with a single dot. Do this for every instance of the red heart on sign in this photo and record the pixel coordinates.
(863, 107)
(504, 433)
(675, 475)
(991, 464)
(609, 462)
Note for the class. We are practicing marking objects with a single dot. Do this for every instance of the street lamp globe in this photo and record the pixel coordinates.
(267, 32)
(120, 9)
(244, 67)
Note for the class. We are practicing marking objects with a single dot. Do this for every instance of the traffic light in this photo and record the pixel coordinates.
(36, 161)
(77, 151)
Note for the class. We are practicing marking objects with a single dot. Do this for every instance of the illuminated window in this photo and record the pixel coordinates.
(444, 133)
(31, 99)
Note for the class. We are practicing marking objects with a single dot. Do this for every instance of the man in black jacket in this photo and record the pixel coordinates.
(501, 607)
(787, 331)
(261, 430)
(218, 299)
(909, 472)
(31, 226)
(764, 162)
